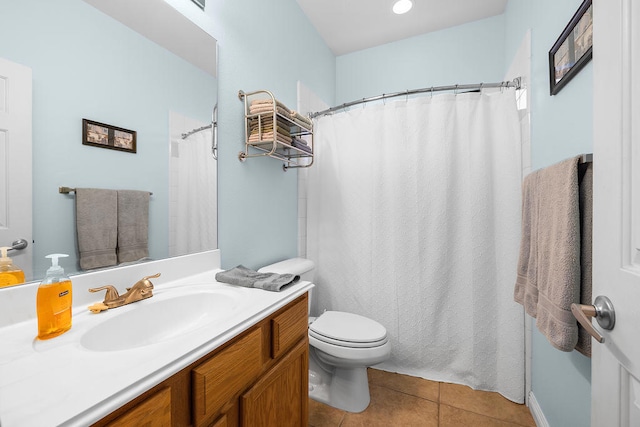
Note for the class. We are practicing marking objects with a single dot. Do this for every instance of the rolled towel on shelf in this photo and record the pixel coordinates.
(268, 136)
(243, 276)
(301, 145)
(268, 127)
(268, 102)
(268, 109)
(300, 118)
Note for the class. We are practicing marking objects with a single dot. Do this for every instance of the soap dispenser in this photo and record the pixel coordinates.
(53, 302)
(9, 273)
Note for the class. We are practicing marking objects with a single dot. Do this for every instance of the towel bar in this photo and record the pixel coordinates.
(586, 158)
(67, 190)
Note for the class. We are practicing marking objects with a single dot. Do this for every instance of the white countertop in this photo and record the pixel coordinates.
(60, 382)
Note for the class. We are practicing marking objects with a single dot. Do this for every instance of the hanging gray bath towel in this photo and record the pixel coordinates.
(243, 276)
(554, 269)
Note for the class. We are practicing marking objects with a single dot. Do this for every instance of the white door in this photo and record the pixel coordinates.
(15, 161)
(615, 381)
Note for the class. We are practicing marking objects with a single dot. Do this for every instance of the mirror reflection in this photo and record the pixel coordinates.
(86, 65)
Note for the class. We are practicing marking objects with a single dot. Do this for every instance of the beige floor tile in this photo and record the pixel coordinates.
(454, 417)
(485, 403)
(321, 415)
(392, 408)
(407, 384)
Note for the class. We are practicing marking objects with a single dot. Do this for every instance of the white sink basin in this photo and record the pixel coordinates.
(151, 321)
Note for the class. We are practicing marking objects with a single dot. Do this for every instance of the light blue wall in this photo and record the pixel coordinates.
(87, 65)
(470, 53)
(561, 126)
(263, 45)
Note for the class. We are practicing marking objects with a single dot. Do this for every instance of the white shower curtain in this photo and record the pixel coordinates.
(196, 210)
(414, 221)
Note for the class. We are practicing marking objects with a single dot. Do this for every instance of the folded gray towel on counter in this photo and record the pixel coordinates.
(243, 276)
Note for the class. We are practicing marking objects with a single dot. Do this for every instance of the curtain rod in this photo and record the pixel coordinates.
(200, 129)
(514, 83)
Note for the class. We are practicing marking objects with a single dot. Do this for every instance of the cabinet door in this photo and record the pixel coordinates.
(289, 326)
(280, 397)
(155, 411)
(225, 375)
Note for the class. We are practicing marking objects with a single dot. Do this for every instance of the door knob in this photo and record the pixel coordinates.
(602, 310)
(18, 245)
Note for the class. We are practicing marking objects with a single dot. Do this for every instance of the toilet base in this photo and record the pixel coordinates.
(346, 389)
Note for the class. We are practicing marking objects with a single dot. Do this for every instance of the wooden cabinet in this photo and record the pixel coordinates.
(154, 411)
(216, 381)
(279, 398)
(259, 378)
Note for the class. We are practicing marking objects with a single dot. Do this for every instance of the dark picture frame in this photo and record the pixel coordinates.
(573, 49)
(107, 136)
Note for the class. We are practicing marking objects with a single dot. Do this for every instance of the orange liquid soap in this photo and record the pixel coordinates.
(53, 302)
(54, 309)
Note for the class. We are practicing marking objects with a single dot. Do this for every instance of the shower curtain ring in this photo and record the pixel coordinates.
(406, 96)
(455, 91)
(384, 99)
(432, 91)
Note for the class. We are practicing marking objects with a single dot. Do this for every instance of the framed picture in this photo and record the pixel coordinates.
(573, 49)
(107, 136)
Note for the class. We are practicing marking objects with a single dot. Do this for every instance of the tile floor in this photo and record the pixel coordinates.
(401, 400)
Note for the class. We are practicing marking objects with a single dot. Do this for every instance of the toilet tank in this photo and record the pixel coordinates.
(300, 266)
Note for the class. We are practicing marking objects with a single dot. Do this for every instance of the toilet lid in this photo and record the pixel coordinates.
(348, 328)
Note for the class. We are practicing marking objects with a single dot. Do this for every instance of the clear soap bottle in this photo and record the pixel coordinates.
(53, 302)
(9, 274)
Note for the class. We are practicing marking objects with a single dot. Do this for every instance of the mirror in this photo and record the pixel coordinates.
(87, 65)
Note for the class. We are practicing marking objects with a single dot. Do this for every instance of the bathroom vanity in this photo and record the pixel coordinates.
(263, 371)
(197, 353)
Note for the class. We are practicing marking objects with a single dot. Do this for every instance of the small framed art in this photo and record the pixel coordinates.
(573, 49)
(107, 136)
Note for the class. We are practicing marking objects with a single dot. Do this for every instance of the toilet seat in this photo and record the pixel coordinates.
(348, 330)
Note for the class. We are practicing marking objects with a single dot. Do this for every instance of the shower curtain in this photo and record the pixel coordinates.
(196, 210)
(414, 221)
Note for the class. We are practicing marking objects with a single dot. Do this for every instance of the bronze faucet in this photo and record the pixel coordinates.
(142, 289)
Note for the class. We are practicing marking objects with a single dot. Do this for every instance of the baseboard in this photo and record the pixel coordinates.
(536, 411)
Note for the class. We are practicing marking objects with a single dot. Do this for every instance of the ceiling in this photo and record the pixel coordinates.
(351, 25)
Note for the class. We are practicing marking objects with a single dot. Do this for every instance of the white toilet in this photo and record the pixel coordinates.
(341, 347)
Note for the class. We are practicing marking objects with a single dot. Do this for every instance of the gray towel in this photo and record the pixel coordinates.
(242, 276)
(96, 226)
(133, 225)
(548, 280)
(586, 226)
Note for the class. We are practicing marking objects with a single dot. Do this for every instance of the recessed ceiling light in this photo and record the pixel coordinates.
(402, 6)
